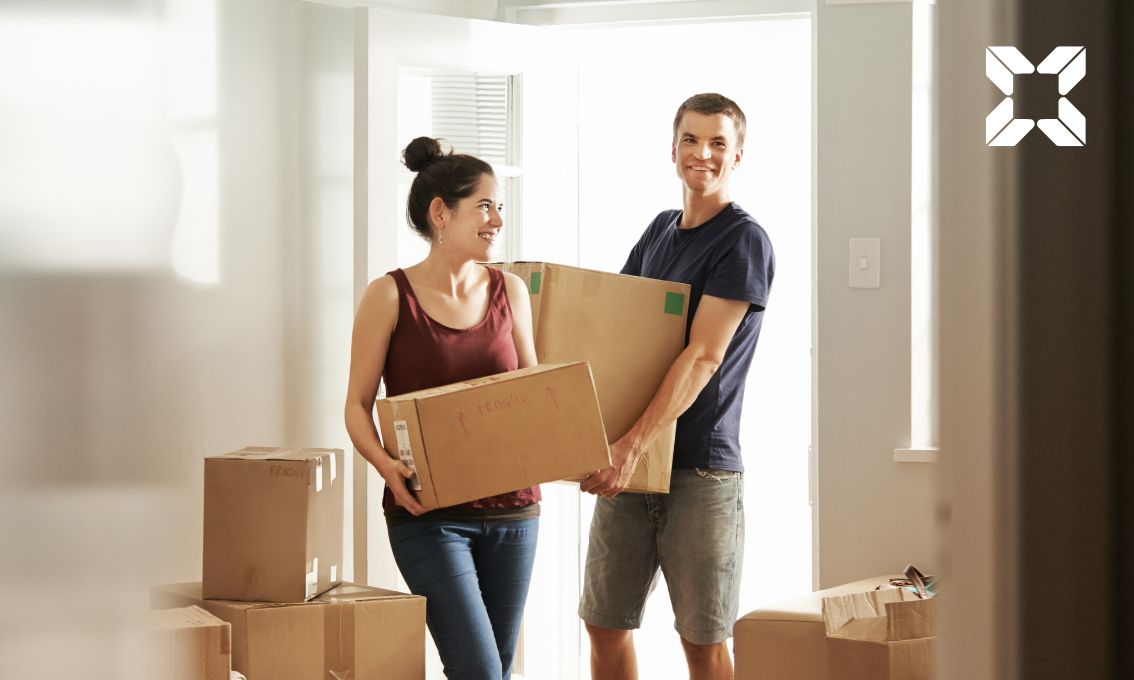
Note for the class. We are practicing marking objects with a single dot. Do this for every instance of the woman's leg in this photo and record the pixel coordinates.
(504, 558)
(436, 558)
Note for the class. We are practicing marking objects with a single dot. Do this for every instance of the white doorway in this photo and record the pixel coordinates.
(631, 80)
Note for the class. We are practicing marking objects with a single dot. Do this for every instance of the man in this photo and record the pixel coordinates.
(696, 532)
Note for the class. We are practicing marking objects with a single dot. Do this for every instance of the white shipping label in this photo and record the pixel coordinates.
(401, 431)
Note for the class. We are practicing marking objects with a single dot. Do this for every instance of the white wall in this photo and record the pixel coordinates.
(119, 378)
(874, 515)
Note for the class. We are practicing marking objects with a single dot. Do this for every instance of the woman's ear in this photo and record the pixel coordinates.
(438, 213)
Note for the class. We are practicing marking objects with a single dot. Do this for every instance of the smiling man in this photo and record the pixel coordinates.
(695, 533)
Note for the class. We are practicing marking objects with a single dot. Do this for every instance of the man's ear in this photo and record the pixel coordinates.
(739, 155)
(673, 152)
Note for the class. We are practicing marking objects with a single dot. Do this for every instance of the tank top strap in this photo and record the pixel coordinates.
(498, 292)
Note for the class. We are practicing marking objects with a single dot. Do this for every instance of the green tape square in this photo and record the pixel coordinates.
(674, 303)
(534, 284)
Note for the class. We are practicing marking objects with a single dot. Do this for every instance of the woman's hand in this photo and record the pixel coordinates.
(396, 473)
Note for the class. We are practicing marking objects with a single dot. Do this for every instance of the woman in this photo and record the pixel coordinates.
(444, 320)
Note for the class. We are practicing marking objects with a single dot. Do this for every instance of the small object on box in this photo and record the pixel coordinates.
(921, 585)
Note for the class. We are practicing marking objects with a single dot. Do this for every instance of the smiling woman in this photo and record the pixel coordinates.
(444, 320)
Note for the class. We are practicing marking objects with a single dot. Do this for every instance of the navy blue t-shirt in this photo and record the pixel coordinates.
(730, 257)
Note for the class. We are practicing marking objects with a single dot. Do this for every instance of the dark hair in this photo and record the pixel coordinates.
(709, 103)
(450, 176)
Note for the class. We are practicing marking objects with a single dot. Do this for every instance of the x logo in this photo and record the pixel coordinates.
(1002, 63)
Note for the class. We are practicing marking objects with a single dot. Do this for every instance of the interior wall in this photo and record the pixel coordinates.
(874, 515)
(119, 379)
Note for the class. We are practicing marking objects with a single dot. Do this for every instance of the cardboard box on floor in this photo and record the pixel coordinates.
(630, 329)
(273, 528)
(189, 643)
(497, 434)
(880, 635)
(351, 631)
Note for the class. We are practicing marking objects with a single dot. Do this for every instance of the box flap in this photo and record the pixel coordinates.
(276, 453)
(910, 620)
(840, 610)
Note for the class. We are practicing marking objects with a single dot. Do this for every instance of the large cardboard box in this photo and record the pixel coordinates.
(630, 329)
(189, 643)
(880, 635)
(351, 631)
(273, 529)
(497, 434)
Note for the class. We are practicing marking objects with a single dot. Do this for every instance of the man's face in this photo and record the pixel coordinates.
(705, 151)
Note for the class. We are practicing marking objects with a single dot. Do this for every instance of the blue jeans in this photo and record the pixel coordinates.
(475, 576)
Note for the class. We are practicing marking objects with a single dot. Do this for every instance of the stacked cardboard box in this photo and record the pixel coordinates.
(629, 329)
(350, 631)
(497, 434)
(273, 523)
(189, 643)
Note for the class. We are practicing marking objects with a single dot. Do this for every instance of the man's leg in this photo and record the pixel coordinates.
(708, 662)
(701, 546)
(612, 654)
(621, 572)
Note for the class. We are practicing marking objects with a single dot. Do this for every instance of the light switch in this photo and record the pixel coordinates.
(864, 262)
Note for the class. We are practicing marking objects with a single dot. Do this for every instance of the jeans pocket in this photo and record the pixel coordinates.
(719, 476)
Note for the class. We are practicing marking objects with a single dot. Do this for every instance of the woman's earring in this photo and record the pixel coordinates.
(440, 240)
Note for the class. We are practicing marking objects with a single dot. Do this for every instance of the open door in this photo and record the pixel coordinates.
(506, 93)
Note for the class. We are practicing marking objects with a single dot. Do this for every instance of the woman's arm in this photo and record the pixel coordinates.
(521, 306)
(374, 322)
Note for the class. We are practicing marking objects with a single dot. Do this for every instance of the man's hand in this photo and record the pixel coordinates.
(612, 481)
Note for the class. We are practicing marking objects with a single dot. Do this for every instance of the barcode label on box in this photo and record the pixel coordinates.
(401, 431)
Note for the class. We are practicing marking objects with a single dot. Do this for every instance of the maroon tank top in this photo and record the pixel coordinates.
(424, 353)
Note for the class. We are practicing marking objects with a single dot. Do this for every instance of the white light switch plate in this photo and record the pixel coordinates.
(864, 262)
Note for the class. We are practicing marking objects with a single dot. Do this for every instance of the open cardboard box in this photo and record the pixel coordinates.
(880, 635)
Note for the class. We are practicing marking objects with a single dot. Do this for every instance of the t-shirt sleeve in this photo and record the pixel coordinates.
(633, 264)
(744, 269)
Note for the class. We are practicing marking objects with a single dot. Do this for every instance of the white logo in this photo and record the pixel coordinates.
(1002, 129)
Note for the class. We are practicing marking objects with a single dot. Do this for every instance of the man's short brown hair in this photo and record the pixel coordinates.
(710, 103)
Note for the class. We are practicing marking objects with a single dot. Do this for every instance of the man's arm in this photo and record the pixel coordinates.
(713, 326)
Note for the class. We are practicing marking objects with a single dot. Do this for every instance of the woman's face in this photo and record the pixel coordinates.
(475, 222)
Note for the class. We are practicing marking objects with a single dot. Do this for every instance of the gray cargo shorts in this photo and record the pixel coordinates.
(694, 535)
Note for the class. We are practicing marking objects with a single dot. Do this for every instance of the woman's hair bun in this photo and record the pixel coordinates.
(421, 153)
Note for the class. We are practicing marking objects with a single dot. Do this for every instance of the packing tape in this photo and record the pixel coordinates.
(318, 474)
(338, 641)
(334, 466)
